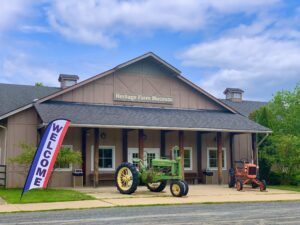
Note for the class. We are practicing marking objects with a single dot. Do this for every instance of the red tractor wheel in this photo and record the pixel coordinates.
(239, 185)
(263, 185)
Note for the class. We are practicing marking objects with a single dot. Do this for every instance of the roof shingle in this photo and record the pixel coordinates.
(134, 117)
(13, 96)
(244, 107)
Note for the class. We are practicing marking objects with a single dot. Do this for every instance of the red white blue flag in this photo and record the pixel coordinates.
(45, 155)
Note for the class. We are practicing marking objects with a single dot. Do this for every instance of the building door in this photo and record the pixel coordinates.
(149, 153)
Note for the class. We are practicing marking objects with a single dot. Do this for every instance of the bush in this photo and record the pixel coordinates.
(274, 178)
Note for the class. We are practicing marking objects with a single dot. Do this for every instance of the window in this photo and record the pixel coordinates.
(135, 156)
(212, 158)
(187, 157)
(149, 153)
(150, 156)
(106, 158)
(63, 166)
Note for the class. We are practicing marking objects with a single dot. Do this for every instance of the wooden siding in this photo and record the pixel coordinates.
(22, 128)
(146, 78)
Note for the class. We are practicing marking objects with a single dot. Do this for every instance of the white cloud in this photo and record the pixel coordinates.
(37, 29)
(262, 57)
(12, 11)
(20, 68)
(100, 21)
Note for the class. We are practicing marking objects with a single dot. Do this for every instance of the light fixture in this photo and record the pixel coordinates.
(103, 135)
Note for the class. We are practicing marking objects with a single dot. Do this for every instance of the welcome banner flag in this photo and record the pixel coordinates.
(45, 155)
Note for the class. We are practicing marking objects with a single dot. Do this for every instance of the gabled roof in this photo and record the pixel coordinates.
(177, 73)
(244, 107)
(93, 115)
(13, 96)
(147, 55)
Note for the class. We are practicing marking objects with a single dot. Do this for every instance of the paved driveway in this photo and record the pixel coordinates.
(197, 194)
(233, 213)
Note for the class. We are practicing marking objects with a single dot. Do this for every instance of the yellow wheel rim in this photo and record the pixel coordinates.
(124, 178)
(176, 189)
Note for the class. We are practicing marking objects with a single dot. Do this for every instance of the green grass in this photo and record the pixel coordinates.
(38, 195)
(285, 187)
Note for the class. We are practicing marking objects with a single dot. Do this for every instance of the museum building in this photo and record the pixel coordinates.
(143, 108)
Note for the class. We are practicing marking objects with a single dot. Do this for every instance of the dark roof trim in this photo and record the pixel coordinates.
(16, 111)
(146, 55)
(65, 90)
(67, 77)
(233, 90)
(206, 94)
(163, 128)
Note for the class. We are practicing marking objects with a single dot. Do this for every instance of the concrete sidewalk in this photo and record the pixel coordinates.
(109, 197)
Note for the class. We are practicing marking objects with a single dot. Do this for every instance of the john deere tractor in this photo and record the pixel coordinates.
(155, 176)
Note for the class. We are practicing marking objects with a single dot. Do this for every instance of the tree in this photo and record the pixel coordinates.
(38, 84)
(280, 153)
(65, 156)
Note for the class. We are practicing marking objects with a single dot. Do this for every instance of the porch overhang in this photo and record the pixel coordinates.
(132, 117)
(160, 128)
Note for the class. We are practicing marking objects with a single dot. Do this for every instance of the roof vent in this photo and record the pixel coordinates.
(234, 94)
(67, 80)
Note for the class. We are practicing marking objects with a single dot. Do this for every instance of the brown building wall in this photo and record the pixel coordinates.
(243, 147)
(2, 143)
(209, 141)
(22, 128)
(142, 78)
(62, 177)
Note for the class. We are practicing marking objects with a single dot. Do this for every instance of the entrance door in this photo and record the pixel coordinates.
(149, 153)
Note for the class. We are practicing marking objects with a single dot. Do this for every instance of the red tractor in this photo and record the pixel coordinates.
(245, 173)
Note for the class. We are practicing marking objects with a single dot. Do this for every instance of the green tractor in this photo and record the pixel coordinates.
(155, 176)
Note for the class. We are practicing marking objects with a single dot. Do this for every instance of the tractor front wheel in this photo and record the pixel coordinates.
(177, 188)
(263, 185)
(158, 186)
(186, 188)
(127, 178)
(239, 185)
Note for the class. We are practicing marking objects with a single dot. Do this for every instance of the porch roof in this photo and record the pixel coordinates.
(93, 115)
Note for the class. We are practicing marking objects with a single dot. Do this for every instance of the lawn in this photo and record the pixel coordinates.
(38, 195)
(286, 187)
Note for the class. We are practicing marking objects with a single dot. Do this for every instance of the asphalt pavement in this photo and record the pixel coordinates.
(229, 213)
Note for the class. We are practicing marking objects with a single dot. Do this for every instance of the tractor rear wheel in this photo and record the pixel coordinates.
(231, 178)
(186, 188)
(158, 186)
(127, 178)
(254, 185)
(263, 185)
(177, 188)
(239, 185)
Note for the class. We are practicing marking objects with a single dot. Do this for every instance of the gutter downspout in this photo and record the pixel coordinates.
(5, 144)
(261, 141)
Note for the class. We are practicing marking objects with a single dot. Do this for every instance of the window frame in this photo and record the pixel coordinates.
(146, 150)
(225, 158)
(190, 149)
(113, 148)
(70, 165)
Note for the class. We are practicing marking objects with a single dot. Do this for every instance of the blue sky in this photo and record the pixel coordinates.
(253, 45)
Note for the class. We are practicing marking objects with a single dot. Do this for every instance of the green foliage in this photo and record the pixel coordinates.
(65, 156)
(12, 196)
(280, 153)
(38, 84)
